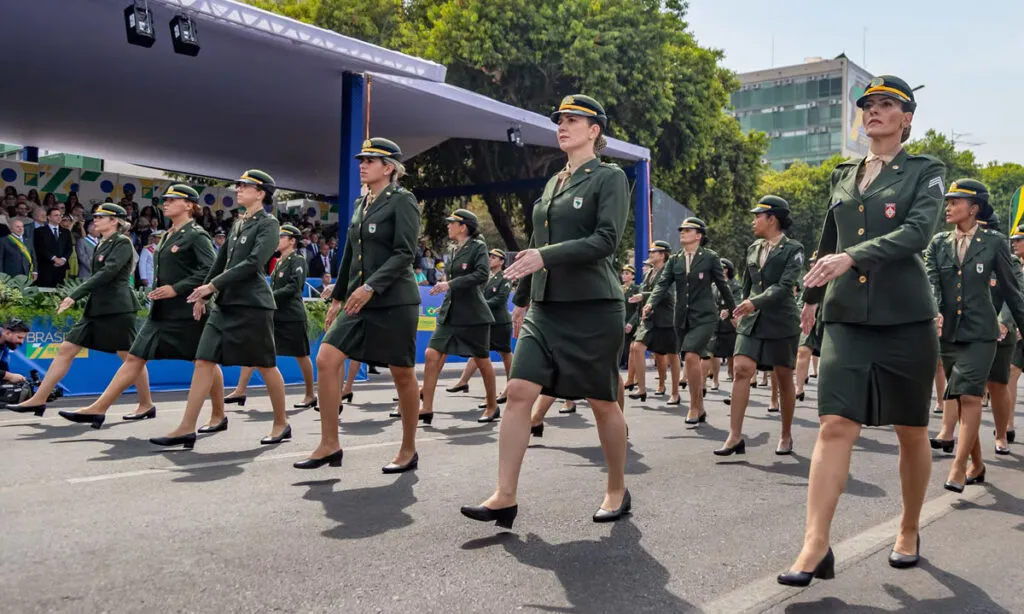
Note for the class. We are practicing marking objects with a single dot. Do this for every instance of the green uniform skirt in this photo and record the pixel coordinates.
(967, 366)
(383, 336)
(658, 339)
(501, 337)
(1018, 356)
(168, 340)
(768, 353)
(696, 339)
(723, 344)
(571, 350)
(878, 375)
(237, 336)
(812, 340)
(472, 341)
(291, 338)
(1000, 371)
(114, 333)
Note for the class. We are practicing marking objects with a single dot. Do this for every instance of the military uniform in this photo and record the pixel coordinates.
(632, 315)
(879, 347)
(182, 260)
(108, 322)
(464, 320)
(291, 336)
(571, 337)
(496, 293)
(379, 253)
(963, 291)
(695, 310)
(811, 340)
(656, 331)
(240, 329)
(723, 344)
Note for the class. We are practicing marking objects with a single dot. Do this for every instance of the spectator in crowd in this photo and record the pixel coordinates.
(53, 247)
(15, 257)
(85, 248)
(33, 199)
(72, 202)
(146, 260)
(421, 279)
(38, 221)
(325, 281)
(313, 249)
(23, 213)
(320, 263)
(218, 239)
(11, 191)
(439, 272)
(50, 201)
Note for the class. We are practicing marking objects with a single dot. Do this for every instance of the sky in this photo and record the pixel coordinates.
(969, 56)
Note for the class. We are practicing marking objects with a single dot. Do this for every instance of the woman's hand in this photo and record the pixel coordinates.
(636, 298)
(163, 292)
(744, 309)
(527, 262)
(518, 314)
(201, 292)
(332, 313)
(198, 310)
(439, 288)
(808, 316)
(826, 269)
(66, 304)
(328, 290)
(357, 300)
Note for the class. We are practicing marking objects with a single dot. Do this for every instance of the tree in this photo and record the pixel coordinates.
(959, 162)
(1002, 179)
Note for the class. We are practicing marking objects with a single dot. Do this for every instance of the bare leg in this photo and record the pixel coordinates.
(350, 376)
(1014, 378)
(490, 385)
(940, 391)
(692, 361)
(622, 395)
(830, 468)
(970, 420)
(1001, 409)
(58, 369)
(611, 428)
(631, 370)
(673, 363)
(217, 396)
(409, 406)
(782, 382)
(661, 363)
(275, 388)
(803, 363)
(506, 359)
(127, 373)
(306, 367)
(467, 373)
(203, 375)
(513, 438)
(543, 404)
(775, 390)
(329, 361)
(431, 370)
(915, 471)
(744, 370)
(243, 382)
(730, 364)
(637, 351)
(141, 386)
(716, 368)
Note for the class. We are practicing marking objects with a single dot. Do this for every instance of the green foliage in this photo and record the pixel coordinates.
(960, 163)
(1003, 179)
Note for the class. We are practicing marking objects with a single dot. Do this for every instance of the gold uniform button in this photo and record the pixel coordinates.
(360, 256)
(861, 208)
(960, 273)
(958, 299)
(860, 232)
(958, 285)
(957, 312)
(863, 279)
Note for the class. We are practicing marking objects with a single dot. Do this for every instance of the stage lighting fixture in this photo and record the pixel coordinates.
(185, 35)
(138, 23)
(515, 136)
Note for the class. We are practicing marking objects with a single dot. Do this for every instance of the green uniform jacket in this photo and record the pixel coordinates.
(182, 260)
(632, 309)
(963, 292)
(695, 303)
(380, 250)
(108, 288)
(239, 272)
(286, 283)
(663, 312)
(999, 301)
(496, 294)
(885, 231)
(771, 290)
(464, 303)
(577, 231)
(725, 324)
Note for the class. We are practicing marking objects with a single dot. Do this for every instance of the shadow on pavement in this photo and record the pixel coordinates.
(595, 456)
(363, 512)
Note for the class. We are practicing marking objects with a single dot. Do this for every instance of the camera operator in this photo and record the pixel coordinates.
(12, 335)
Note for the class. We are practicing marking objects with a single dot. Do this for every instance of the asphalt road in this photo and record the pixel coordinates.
(102, 521)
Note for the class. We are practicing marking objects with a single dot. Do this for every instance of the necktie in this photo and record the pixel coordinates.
(563, 176)
(56, 235)
(963, 241)
(872, 168)
(765, 250)
(689, 260)
(325, 263)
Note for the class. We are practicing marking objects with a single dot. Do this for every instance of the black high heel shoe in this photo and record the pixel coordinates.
(216, 428)
(149, 413)
(603, 515)
(678, 401)
(395, 414)
(348, 398)
(233, 400)
(773, 410)
(801, 396)
(93, 420)
(38, 410)
(188, 441)
(413, 463)
(285, 434)
(571, 409)
(311, 404)
(1011, 436)
(502, 517)
(905, 561)
(458, 388)
(495, 416)
(629, 387)
(334, 460)
(503, 399)
(977, 479)
(1002, 450)
(538, 430)
(639, 395)
(427, 418)
(739, 448)
(694, 421)
(825, 570)
(946, 445)
(952, 486)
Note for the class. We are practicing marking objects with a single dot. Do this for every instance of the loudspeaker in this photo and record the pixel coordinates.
(185, 36)
(138, 23)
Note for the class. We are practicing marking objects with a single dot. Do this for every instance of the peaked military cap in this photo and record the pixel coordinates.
(465, 217)
(497, 253)
(974, 190)
(380, 148)
(220, 233)
(110, 210)
(581, 105)
(771, 204)
(630, 268)
(180, 190)
(893, 87)
(991, 222)
(257, 178)
(288, 230)
(1018, 233)
(695, 223)
(728, 263)
(660, 246)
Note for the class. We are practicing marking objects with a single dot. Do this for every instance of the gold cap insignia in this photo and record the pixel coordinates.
(569, 100)
(367, 143)
(876, 82)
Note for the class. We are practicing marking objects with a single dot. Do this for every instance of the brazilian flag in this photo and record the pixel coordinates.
(1016, 210)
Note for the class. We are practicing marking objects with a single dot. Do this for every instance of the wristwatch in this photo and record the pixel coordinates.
(368, 288)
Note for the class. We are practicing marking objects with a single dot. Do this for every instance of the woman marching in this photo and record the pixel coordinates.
(693, 270)
(769, 323)
(464, 319)
(375, 305)
(569, 310)
(180, 264)
(496, 293)
(878, 348)
(655, 332)
(961, 264)
(240, 329)
(809, 349)
(108, 321)
(629, 289)
(724, 341)
(287, 281)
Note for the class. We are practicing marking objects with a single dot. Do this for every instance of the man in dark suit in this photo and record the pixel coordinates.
(53, 247)
(321, 263)
(15, 255)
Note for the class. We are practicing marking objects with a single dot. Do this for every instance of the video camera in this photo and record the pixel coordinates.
(11, 394)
